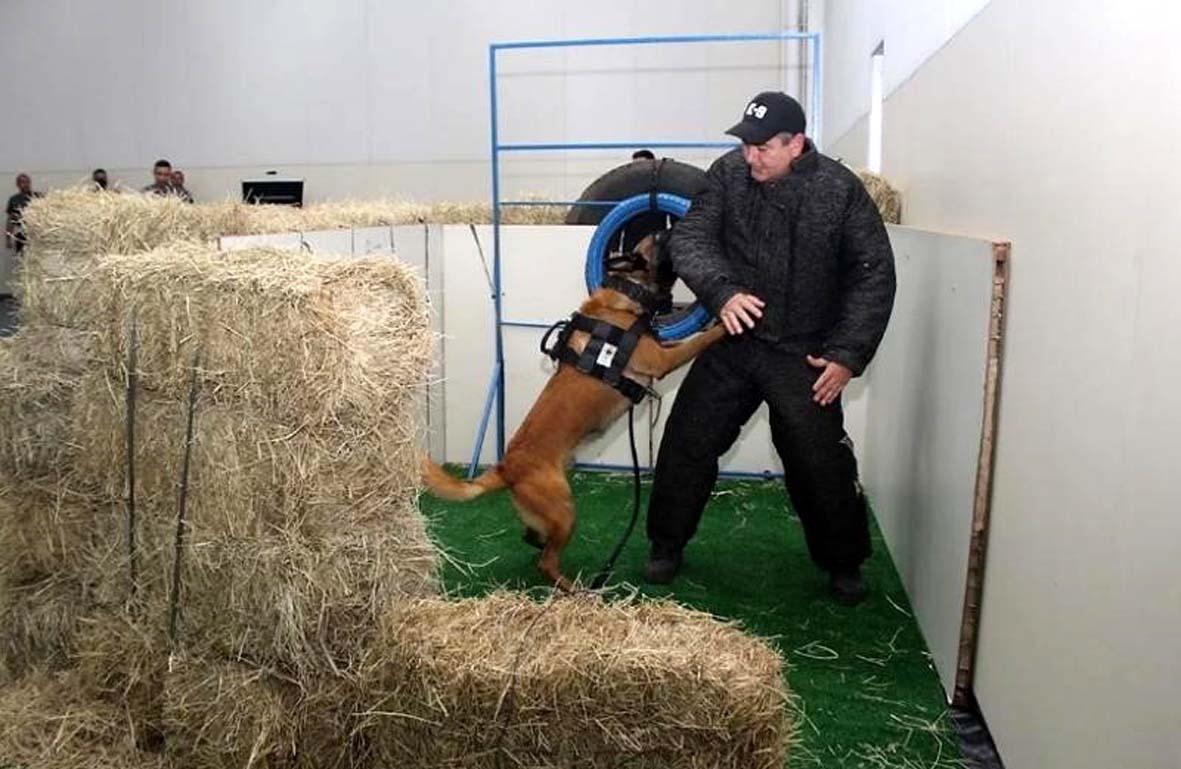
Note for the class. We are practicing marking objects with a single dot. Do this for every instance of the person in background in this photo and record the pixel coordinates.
(14, 229)
(178, 186)
(786, 247)
(162, 179)
(643, 155)
(99, 178)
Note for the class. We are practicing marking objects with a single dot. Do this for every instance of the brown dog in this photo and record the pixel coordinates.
(572, 406)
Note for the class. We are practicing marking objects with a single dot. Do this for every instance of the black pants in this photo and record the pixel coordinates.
(723, 389)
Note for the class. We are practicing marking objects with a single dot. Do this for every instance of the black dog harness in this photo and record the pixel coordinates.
(610, 347)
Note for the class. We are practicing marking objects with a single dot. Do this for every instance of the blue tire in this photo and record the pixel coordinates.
(670, 328)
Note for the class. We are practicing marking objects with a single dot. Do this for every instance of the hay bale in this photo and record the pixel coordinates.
(288, 334)
(219, 714)
(885, 195)
(39, 622)
(222, 715)
(301, 513)
(574, 683)
(68, 229)
(47, 531)
(251, 474)
(46, 723)
(39, 369)
(286, 602)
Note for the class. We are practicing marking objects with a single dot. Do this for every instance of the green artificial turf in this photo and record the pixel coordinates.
(867, 694)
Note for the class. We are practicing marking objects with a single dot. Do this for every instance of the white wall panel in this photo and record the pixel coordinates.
(359, 97)
(1076, 664)
(912, 32)
(468, 345)
(328, 242)
(926, 416)
(380, 240)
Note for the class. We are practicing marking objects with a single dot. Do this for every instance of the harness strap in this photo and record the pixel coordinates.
(606, 354)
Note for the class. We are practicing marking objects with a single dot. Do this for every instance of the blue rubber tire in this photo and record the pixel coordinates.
(682, 324)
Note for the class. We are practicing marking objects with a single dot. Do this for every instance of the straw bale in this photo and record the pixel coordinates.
(49, 530)
(39, 369)
(286, 601)
(46, 723)
(80, 222)
(574, 683)
(219, 714)
(69, 229)
(885, 195)
(250, 475)
(39, 621)
(289, 334)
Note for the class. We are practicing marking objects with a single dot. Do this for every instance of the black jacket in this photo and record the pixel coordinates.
(812, 246)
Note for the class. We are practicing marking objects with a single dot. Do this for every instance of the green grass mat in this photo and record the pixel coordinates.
(868, 694)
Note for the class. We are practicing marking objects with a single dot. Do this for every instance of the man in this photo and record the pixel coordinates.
(787, 248)
(162, 179)
(14, 229)
(98, 177)
(178, 186)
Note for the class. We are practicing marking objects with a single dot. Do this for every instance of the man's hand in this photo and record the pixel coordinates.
(831, 382)
(741, 309)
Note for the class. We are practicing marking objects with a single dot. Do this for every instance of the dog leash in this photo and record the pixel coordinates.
(609, 566)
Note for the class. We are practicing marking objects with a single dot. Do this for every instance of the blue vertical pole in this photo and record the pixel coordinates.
(496, 292)
(485, 413)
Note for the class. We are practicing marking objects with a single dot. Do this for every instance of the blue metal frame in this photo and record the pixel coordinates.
(496, 391)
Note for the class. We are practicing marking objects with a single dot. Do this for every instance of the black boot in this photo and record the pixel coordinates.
(663, 564)
(848, 588)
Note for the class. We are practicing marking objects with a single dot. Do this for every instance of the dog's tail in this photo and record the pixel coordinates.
(446, 486)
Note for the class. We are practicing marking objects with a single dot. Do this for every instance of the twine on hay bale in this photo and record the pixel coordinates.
(575, 683)
(885, 195)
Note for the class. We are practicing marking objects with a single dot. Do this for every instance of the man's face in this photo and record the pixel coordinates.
(772, 159)
(163, 175)
(24, 183)
(178, 178)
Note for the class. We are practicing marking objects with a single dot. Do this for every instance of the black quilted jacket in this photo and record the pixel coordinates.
(812, 246)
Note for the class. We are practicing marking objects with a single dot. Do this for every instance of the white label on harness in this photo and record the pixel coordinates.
(606, 355)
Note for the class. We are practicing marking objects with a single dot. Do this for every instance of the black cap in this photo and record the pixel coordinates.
(768, 114)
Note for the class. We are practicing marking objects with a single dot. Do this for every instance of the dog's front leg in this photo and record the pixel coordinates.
(653, 359)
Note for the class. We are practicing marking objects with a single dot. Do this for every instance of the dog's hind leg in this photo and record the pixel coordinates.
(546, 505)
(534, 538)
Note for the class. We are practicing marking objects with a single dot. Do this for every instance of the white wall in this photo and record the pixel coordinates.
(1054, 125)
(912, 31)
(364, 97)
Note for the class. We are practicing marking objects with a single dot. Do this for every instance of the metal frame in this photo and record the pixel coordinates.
(496, 388)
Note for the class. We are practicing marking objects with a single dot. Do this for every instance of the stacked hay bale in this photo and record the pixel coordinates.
(299, 515)
(884, 194)
(577, 682)
(288, 618)
(69, 228)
